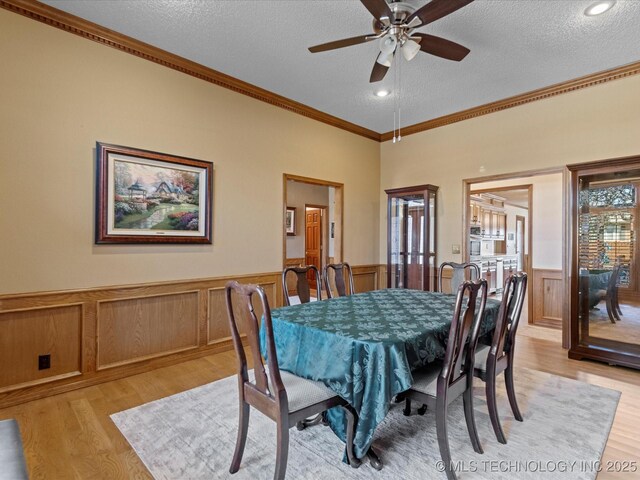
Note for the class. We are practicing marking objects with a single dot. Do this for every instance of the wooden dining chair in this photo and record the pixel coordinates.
(440, 384)
(458, 275)
(283, 397)
(338, 279)
(492, 360)
(303, 288)
(610, 296)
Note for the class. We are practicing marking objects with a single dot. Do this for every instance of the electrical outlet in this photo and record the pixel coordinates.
(44, 362)
(455, 249)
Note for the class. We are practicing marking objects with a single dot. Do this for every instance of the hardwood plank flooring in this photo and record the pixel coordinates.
(70, 436)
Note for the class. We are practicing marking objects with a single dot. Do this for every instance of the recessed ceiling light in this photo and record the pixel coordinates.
(599, 8)
(382, 93)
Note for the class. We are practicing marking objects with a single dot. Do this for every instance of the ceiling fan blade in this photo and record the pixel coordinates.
(441, 47)
(346, 42)
(436, 9)
(378, 8)
(378, 72)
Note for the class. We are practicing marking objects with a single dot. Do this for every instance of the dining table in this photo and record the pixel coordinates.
(364, 347)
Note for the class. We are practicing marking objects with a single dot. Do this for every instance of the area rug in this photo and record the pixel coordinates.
(192, 435)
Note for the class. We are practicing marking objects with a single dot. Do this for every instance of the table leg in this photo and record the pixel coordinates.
(374, 460)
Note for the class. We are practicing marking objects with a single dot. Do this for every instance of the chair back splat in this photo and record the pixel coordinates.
(339, 279)
(302, 283)
(463, 334)
(458, 275)
(509, 314)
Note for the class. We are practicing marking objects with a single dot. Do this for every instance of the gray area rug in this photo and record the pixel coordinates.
(192, 435)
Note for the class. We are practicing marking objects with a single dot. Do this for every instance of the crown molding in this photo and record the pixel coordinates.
(91, 31)
(517, 100)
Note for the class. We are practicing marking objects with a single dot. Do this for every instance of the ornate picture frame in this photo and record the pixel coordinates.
(151, 197)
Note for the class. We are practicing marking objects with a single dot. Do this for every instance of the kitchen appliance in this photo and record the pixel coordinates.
(475, 231)
(474, 247)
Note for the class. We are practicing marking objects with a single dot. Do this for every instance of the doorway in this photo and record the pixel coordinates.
(542, 256)
(314, 236)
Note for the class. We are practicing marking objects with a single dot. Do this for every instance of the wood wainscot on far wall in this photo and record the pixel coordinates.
(95, 335)
(548, 298)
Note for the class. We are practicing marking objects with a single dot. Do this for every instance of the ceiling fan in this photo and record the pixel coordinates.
(394, 24)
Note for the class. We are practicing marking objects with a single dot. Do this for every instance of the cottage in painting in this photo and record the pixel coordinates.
(167, 189)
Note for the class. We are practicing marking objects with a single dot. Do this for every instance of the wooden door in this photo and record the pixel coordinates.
(313, 242)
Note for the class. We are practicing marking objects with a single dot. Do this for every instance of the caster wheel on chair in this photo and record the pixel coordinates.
(422, 410)
(300, 426)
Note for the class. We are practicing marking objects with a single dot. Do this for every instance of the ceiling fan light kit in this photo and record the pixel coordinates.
(410, 49)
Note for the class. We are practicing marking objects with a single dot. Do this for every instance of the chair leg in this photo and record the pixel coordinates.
(407, 407)
(352, 420)
(492, 405)
(243, 426)
(610, 311)
(511, 392)
(443, 437)
(282, 451)
(470, 418)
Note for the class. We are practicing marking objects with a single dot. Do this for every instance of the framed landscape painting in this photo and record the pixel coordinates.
(290, 221)
(151, 197)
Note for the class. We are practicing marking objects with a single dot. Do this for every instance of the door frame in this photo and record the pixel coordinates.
(338, 214)
(466, 188)
(529, 258)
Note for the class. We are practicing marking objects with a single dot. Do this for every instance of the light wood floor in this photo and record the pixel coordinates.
(626, 330)
(71, 436)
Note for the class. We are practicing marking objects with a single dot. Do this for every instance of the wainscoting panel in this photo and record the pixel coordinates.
(365, 278)
(29, 333)
(548, 298)
(133, 329)
(99, 334)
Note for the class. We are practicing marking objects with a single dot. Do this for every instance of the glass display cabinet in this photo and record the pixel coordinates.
(605, 278)
(411, 237)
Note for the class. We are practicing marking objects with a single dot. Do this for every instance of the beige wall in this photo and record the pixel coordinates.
(595, 123)
(59, 94)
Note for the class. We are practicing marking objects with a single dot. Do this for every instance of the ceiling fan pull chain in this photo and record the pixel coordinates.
(399, 95)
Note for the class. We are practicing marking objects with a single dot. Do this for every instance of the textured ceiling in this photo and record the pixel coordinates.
(516, 46)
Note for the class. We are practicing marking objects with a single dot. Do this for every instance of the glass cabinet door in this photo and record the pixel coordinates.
(605, 280)
(411, 238)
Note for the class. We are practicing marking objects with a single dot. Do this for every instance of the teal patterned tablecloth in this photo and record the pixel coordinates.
(365, 346)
